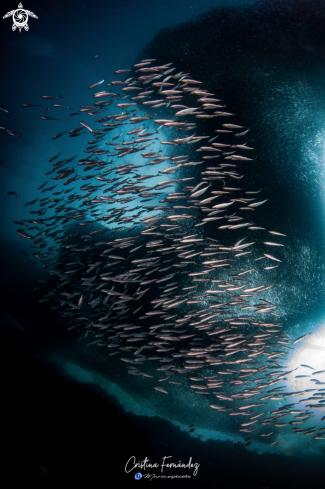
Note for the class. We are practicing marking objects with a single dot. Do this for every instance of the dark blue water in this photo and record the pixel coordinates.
(70, 413)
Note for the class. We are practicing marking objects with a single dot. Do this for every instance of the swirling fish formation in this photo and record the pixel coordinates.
(166, 280)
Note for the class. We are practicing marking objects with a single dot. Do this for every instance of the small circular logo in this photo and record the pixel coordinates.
(20, 18)
(138, 476)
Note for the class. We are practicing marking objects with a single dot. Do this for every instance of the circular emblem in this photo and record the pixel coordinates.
(20, 18)
(138, 476)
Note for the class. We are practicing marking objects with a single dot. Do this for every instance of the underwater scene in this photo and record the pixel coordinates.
(162, 307)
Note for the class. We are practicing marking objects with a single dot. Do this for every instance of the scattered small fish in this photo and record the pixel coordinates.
(59, 135)
(96, 84)
(48, 118)
(300, 338)
(60, 105)
(12, 132)
(3, 108)
(87, 126)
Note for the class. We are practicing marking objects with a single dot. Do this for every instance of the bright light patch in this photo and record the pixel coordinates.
(309, 358)
(308, 377)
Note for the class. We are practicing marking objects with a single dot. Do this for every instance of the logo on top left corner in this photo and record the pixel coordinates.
(20, 18)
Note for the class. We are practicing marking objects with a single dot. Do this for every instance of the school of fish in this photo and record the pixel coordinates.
(173, 278)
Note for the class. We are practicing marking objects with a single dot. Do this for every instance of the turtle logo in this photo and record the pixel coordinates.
(20, 18)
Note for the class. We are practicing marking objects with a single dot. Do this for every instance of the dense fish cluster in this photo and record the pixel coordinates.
(161, 260)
